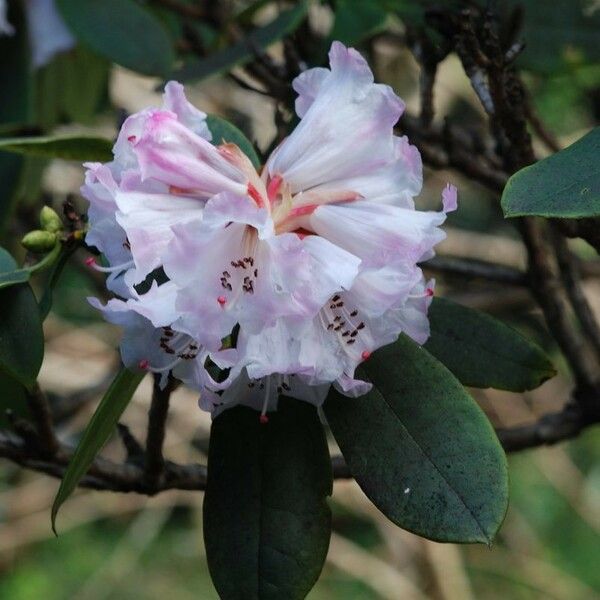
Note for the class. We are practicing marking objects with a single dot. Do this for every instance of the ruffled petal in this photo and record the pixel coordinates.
(345, 131)
(171, 153)
(380, 234)
(147, 220)
(174, 100)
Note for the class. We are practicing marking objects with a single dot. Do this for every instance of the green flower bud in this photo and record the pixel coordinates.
(50, 221)
(39, 241)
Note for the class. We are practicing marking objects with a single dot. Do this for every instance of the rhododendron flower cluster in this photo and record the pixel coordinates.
(286, 278)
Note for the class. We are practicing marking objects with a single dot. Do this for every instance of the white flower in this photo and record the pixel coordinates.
(313, 263)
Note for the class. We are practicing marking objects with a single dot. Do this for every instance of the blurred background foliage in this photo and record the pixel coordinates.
(117, 546)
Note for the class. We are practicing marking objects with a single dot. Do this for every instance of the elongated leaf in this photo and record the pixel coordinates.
(484, 352)
(421, 449)
(242, 52)
(224, 131)
(266, 519)
(21, 335)
(122, 31)
(96, 434)
(566, 184)
(75, 147)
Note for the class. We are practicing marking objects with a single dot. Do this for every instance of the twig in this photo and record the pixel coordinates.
(539, 128)
(102, 474)
(546, 288)
(42, 418)
(131, 477)
(569, 270)
(154, 463)
(477, 269)
(549, 429)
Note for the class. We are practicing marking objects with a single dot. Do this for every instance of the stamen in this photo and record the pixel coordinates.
(222, 300)
(132, 139)
(144, 364)
(427, 294)
(365, 354)
(91, 262)
(264, 419)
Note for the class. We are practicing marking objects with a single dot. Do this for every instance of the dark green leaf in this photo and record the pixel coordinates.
(223, 131)
(21, 335)
(421, 449)
(99, 429)
(566, 184)
(356, 21)
(484, 352)
(242, 52)
(122, 31)
(266, 519)
(78, 148)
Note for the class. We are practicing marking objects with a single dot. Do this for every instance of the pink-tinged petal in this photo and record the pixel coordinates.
(346, 131)
(157, 304)
(307, 86)
(141, 341)
(378, 290)
(396, 182)
(174, 100)
(352, 387)
(379, 234)
(48, 34)
(229, 208)
(171, 153)
(262, 394)
(334, 268)
(411, 317)
(449, 198)
(105, 233)
(147, 219)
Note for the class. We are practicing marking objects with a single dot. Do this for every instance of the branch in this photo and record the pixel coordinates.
(130, 477)
(454, 147)
(476, 269)
(571, 276)
(154, 463)
(545, 286)
(42, 418)
(548, 430)
(102, 474)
